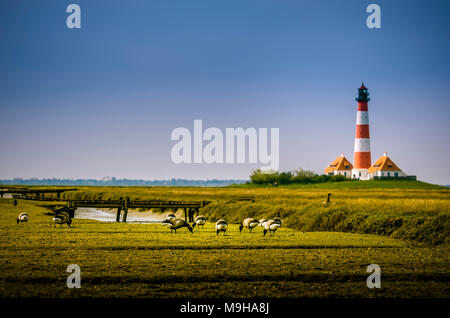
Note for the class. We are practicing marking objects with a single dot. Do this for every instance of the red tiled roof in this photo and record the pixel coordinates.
(384, 163)
(340, 163)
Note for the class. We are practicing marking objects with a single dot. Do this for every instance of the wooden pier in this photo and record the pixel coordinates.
(190, 207)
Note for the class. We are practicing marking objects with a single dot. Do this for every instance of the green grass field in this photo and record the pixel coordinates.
(415, 214)
(145, 260)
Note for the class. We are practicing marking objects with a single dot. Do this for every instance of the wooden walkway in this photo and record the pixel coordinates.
(190, 207)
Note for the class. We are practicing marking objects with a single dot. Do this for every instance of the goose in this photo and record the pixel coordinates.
(262, 221)
(61, 219)
(328, 201)
(167, 222)
(175, 224)
(63, 214)
(221, 225)
(23, 217)
(249, 223)
(199, 220)
(271, 226)
(278, 219)
(170, 216)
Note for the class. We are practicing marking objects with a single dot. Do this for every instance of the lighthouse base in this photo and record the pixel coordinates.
(360, 174)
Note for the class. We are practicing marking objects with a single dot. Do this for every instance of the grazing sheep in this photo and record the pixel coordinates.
(23, 217)
(62, 219)
(249, 223)
(221, 226)
(271, 226)
(199, 220)
(175, 224)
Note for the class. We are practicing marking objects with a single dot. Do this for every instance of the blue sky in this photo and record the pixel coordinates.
(103, 100)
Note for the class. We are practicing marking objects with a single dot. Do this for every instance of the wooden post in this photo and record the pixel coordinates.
(71, 212)
(125, 209)
(191, 214)
(118, 214)
(185, 214)
(125, 213)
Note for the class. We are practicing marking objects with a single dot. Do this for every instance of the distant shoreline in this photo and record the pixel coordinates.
(122, 182)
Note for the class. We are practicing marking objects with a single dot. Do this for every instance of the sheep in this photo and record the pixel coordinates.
(22, 217)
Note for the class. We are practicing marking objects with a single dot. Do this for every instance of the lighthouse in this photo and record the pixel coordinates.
(362, 160)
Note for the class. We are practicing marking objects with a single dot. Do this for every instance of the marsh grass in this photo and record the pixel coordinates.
(145, 260)
(420, 215)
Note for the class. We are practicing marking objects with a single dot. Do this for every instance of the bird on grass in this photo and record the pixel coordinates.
(62, 219)
(271, 226)
(170, 216)
(328, 201)
(23, 217)
(175, 224)
(278, 219)
(199, 220)
(262, 221)
(221, 226)
(249, 223)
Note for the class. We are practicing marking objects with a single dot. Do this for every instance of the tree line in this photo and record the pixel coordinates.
(298, 176)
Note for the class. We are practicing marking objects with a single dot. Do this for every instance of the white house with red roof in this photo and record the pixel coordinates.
(340, 166)
(385, 167)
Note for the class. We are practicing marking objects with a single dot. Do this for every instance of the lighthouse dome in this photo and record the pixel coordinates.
(363, 94)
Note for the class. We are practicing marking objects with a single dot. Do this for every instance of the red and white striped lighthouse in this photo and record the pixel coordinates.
(362, 160)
